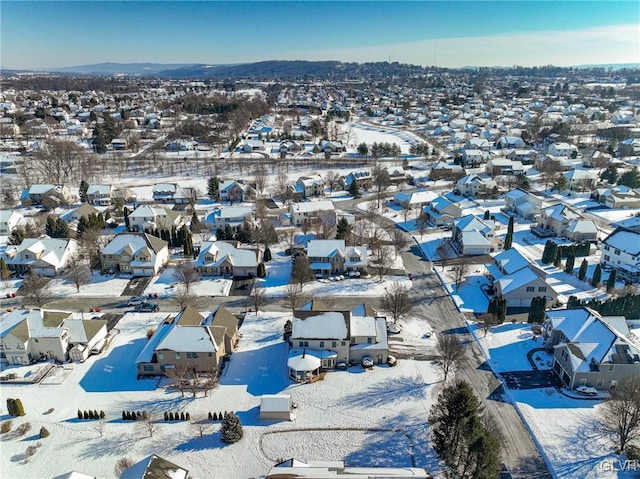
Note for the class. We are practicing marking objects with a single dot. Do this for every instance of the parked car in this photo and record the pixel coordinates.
(147, 307)
(135, 300)
(391, 360)
(367, 362)
(342, 365)
(587, 390)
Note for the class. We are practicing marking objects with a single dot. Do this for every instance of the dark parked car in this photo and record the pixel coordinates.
(147, 307)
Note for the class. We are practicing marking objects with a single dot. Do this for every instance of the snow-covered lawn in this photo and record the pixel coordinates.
(100, 285)
(166, 285)
(396, 400)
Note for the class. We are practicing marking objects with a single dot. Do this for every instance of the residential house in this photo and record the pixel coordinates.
(474, 157)
(43, 256)
(473, 236)
(85, 337)
(307, 186)
(233, 216)
(84, 210)
(562, 149)
(507, 262)
(235, 191)
(564, 221)
(445, 171)
(397, 175)
(188, 340)
(172, 193)
(550, 163)
(621, 251)
(476, 186)
(332, 257)
(503, 166)
(9, 220)
(414, 199)
(155, 467)
(332, 147)
(363, 179)
(321, 338)
(249, 146)
(441, 211)
(523, 203)
(581, 180)
(311, 214)
(37, 192)
(293, 468)
(590, 349)
(138, 254)
(524, 156)
(618, 197)
(510, 142)
(150, 217)
(227, 258)
(100, 195)
(521, 287)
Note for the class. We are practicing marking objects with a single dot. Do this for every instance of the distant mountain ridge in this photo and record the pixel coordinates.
(117, 68)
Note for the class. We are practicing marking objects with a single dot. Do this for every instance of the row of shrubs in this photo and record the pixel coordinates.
(175, 416)
(91, 414)
(217, 416)
(134, 416)
(15, 408)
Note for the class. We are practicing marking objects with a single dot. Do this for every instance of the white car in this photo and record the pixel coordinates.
(587, 390)
(135, 300)
(367, 362)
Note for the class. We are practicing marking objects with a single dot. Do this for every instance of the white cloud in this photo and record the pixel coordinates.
(607, 44)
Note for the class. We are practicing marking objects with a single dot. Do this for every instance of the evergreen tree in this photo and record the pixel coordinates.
(82, 193)
(498, 307)
(301, 272)
(17, 236)
(125, 212)
(213, 186)
(19, 409)
(611, 280)
(630, 178)
(353, 189)
(487, 214)
(231, 429)
(266, 257)
(537, 309)
(195, 226)
(597, 276)
(79, 414)
(5, 274)
(573, 302)
(342, 228)
(549, 253)
(558, 261)
(569, 265)
(262, 272)
(11, 406)
(508, 240)
(582, 273)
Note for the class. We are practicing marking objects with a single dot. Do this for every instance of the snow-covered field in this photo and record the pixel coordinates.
(394, 400)
(99, 285)
(166, 285)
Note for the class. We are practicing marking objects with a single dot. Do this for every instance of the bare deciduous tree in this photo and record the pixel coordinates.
(78, 271)
(331, 179)
(257, 296)
(122, 464)
(460, 271)
(186, 274)
(180, 377)
(396, 301)
(382, 181)
(293, 296)
(398, 240)
(185, 297)
(57, 161)
(99, 426)
(620, 415)
(451, 352)
(37, 289)
(443, 251)
(200, 425)
(281, 188)
(488, 320)
(381, 260)
(261, 176)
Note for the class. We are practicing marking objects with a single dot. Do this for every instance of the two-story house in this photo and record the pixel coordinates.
(503, 166)
(138, 254)
(332, 257)
(100, 195)
(190, 340)
(9, 220)
(520, 287)
(172, 193)
(618, 197)
(37, 192)
(43, 256)
(233, 216)
(564, 221)
(149, 217)
(581, 180)
(476, 186)
(442, 211)
(311, 214)
(307, 186)
(621, 251)
(590, 349)
(523, 203)
(227, 258)
(235, 192)
(472, 235)
(416, 199)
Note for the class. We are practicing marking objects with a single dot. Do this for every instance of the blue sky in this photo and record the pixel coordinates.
(445, 33)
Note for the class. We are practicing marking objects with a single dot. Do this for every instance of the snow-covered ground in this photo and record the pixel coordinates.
(396, 400)
(99, 285)
(166, 285)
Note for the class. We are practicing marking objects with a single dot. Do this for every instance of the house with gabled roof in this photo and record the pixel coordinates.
(307, 186)
(9, 220)
(507, 262)
(293, 468)
(564, 221)
(363, 179)
(84, 210)
(189, 340)
(171, 193)
(476, 186)
(590, 349)
(43, 256)
(523, 203)
(618, 197)
(442, 211)
(621, 251)
(414, 199)
(503, 166)
(227, 258)
(312, 213)
(100, 195)
(150, 217)
(472, 235)
(155, 467)
(333, 257)
(233, 216)
(520, 287)
(235, 191)
(138, 254)
(37, 192)
(581, 180)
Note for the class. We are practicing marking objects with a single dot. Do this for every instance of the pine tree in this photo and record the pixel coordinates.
(558, 260)
(231, 429)
(125, 212)
(353, 189)
(166, 416)
(5, 274)
(213, 185)
(498, 307)
(508, 240)
(262, 271)
(182, 415)
(582, 273)
(569, 265)
(187, 417)
(597, 276)
(210, 416)
(19, 409)
(85, 414)
(79, 414)
(82, 191)
(537, 309)
(195, 226)
(124, 416)
(266, 257)
(611, 280)
(487, 214)
(102, 415)
(549, 253)
(342, 228)
(11, 406)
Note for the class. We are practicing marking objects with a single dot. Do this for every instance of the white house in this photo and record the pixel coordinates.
(9, 220)
(474, 185)
(171, 193)
(100, 195)
(43, 256)
(311, 213)
(521, 287)
(150, 217)
(581, 180)
(332, 257)
(225, 258)
(562, 149)
(416, 199)
(233, 216)
(621, 251)
(472, 235)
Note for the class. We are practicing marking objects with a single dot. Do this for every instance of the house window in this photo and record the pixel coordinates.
(611, 366)
(600, 383)
(542, 289)
(147, 367)
(606, 257)
(334, 344)
(606, 247)
(369, 340)
(617, 251)
(177, 355)
(191, 355)
(210, 354)
(530, 289)
(303, 344)
(160, 355)
(322, 344)
(344, 343)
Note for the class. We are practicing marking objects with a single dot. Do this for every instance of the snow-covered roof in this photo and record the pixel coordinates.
(309, 207)
(474, 238)
(517, 280)
(135, 242)
(221, 250)
(624, 240)
(329, 325)
(511, 260)
(275, 402)
(325, 248)
(191, 339)
(363, 326)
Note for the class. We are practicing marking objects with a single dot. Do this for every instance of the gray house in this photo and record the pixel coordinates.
(589, 349)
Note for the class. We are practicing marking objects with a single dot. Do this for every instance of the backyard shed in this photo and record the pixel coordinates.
(276, 407)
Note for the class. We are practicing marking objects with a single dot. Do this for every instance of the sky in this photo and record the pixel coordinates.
(428, 32)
